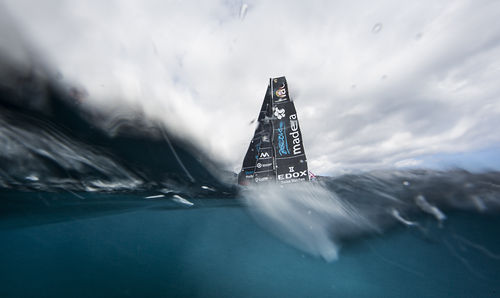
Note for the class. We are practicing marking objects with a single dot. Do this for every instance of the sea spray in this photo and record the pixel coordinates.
(317, 217)
(307, 216)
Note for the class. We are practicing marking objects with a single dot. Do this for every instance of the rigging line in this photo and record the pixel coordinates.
(164, 133)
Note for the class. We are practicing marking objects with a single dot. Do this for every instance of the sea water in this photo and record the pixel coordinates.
(141, 249)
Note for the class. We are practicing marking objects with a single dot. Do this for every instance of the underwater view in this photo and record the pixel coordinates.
(141, 154)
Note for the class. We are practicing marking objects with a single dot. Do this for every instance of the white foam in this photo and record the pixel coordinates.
(208, 188)
(154, 197)
(32, 178)
(181, 200)
(398, 216)
(426, 207)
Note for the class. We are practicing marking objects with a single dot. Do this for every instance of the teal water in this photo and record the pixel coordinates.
(152, 250)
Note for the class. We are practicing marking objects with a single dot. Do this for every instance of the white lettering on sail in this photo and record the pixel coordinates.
(264, 155)
(295, 134)
(260, 165)
(262, 179)
(294, 175)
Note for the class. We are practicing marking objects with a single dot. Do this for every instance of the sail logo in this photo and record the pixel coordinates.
(282, 141)
(294, 175)
(260, 165)
(281, 91)
(279, 113)
(295, 134)
(264, 155)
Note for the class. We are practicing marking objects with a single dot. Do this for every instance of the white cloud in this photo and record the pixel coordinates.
(425, 83)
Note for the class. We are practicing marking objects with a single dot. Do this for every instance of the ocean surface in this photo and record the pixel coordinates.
(93, 205)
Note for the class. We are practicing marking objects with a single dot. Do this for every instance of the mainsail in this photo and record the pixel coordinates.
(276, 151)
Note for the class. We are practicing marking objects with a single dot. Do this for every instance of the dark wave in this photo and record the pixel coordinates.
(51, 142)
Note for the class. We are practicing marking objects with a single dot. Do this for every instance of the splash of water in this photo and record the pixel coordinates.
(308, 216)
(422, 203)
(317, 217)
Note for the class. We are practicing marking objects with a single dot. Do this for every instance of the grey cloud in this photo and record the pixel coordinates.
(203, 67)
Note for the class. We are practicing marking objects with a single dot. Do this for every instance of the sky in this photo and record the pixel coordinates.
(376, 84)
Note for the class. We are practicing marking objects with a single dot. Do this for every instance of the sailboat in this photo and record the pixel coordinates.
(276, 151)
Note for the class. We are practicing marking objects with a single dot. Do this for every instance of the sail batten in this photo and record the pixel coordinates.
(276, 151)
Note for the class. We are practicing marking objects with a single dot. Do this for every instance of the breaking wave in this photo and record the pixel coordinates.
(50, 141)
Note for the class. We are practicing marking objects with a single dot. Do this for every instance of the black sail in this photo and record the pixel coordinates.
(262, 134)
(276, 151)
(264, 167)
(290, 158)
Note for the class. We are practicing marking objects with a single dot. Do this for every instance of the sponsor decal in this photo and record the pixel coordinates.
(264, 155)
(281, 91)
(261, 179)
(294, 175)
(282, 141)
(295, 134)
(279, 113)
(249, 174)
(260, 165)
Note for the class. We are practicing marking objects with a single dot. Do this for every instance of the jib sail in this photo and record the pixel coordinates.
(261, 135)
(276, 151)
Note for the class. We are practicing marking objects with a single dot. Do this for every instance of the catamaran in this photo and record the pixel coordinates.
(276, 151)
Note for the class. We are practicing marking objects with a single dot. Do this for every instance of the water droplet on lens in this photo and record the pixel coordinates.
(376, 28)
(243, 11)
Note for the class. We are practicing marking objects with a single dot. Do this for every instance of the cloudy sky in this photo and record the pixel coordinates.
(377, 84)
